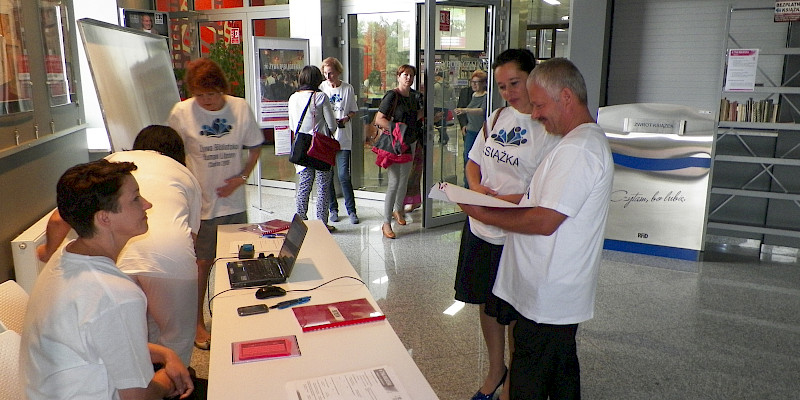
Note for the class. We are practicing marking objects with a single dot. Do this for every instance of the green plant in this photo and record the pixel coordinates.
(180, 73)
(231, 59)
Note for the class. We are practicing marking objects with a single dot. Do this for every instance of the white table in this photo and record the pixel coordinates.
(325, 352)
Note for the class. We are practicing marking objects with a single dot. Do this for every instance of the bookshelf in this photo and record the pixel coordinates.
(755, 189)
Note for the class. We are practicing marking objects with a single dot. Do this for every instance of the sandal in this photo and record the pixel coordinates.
(204, 345)
(387, 231)
(401, 219)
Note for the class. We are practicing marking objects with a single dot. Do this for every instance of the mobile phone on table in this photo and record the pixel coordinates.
(252, 310)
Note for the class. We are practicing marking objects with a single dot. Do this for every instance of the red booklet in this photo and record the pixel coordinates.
(331, 315)
(260, 349)
(266, 228)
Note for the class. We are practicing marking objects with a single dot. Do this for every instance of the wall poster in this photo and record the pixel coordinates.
(279, 60)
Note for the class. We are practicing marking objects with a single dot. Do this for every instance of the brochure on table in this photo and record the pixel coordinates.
(379, 383)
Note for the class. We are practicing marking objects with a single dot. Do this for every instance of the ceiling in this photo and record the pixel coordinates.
(540, 12)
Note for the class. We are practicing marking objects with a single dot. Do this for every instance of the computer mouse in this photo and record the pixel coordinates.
(267, 292)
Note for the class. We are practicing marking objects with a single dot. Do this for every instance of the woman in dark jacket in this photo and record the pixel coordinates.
(407, 104)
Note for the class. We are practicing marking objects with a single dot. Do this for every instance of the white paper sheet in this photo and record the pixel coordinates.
(457, 194)
(283, 138)
(379, 383)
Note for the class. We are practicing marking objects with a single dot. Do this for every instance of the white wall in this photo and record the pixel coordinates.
(306, 23)
(588, 46)
(667, 51)
(105, 11)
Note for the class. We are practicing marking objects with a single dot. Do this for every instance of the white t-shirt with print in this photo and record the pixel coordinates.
(167, 249)
(214, 142)
(508, 158)
(552, 279)
(85, 333)
(343, 102)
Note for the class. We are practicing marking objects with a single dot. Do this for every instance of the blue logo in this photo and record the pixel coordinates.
(336, 98)
(513, 138)
(218, 128)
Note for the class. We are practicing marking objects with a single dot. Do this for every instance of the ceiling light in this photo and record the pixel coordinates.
(552, 2)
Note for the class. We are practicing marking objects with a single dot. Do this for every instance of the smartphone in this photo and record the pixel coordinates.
(340, 123)
(252, 310)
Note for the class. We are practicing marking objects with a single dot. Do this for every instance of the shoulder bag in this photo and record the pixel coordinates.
(302, 143)
(374, 131)
(323, 147)
(494, 122)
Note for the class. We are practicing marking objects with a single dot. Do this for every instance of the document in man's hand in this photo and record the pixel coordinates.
(457, 194)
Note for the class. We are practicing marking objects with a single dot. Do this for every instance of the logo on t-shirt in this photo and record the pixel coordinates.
(514, 137)
(336, 98)
(218, 128)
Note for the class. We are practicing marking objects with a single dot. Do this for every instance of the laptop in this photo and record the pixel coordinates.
(270, 270)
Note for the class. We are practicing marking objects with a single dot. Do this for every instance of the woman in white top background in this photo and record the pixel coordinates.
(318, 118)
(343, 102)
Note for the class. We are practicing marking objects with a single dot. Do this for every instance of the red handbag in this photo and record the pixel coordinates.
(323, 147)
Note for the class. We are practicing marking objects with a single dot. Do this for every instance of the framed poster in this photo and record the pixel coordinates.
(278, 61)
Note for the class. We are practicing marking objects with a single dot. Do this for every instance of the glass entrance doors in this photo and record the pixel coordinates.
(379, 44)
(456, 93)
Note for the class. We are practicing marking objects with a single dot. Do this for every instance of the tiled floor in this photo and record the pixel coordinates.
(724, 328)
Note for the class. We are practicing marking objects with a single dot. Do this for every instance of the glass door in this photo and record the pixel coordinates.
(461, 43)
(379, 42)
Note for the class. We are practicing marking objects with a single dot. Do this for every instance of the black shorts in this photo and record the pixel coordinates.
(205, 247)
(476, 272)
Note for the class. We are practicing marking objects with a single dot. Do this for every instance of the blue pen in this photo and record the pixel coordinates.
(291, 303)
(273, 235)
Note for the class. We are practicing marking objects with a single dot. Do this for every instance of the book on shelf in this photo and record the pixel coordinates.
(332, 315)
(266, 228)
(748, 111)
(263, 349)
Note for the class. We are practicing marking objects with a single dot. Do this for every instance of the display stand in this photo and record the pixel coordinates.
(662, 160)
(754, 192)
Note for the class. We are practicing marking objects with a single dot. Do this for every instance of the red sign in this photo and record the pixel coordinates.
(236, 37)
(444, 21)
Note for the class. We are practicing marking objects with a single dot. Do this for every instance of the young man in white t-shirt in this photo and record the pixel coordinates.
(549, 265)
(85, 331)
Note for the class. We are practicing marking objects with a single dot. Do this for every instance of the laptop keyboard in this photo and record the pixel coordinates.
(261, 269)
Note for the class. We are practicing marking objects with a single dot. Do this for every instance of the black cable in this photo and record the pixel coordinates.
(323, 284)
(293, 290)
(208, 282)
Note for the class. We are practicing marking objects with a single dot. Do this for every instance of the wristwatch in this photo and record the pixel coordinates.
(244, 177)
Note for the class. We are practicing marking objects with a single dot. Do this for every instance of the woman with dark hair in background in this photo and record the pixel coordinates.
(318, 118)
(407, 105)
(474, 112)
(525, 143)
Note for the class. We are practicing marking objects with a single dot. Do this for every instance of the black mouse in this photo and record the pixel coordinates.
(267, 292)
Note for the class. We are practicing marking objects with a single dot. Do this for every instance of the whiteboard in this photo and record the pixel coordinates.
(133, 76)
